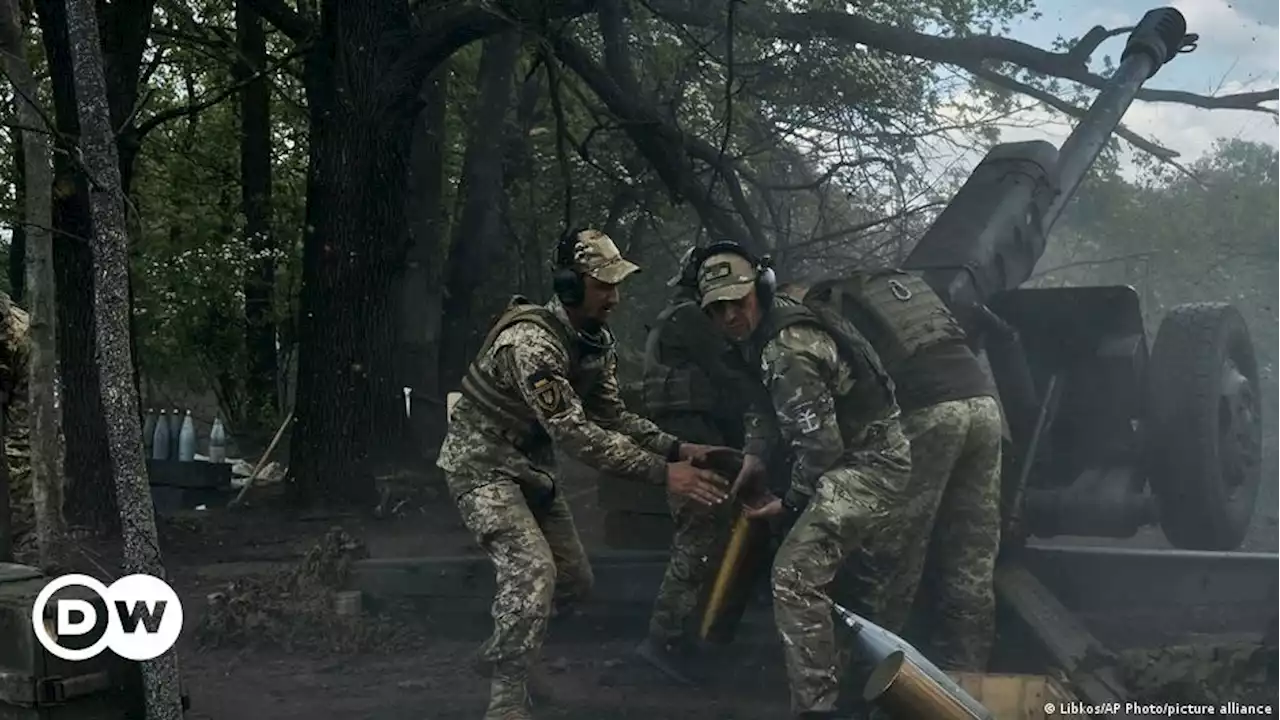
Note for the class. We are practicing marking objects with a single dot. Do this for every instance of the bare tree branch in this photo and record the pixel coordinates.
(966, 52)
(212, 99)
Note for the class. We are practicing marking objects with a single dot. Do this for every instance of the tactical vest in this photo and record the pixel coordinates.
(897, 312)
(868, 401)
(509, 408)
(669, 389)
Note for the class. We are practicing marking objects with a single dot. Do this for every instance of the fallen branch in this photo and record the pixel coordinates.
(262, 461)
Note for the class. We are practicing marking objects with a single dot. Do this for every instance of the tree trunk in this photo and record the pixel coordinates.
(18, 240)
(348, 408)
(420, 297)
(477, 246)
(255, 181)
(89, 487)
(43, 423)
(112, 316)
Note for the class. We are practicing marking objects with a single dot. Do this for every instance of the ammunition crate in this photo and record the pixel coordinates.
(36, 685)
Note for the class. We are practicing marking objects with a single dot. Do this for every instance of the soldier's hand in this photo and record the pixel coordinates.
(768, 506)
(695, 453)
(751, 474)
(702, 486)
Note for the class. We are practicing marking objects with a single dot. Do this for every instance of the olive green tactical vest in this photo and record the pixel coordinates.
(509, 408)
(897, 312)
(868, 401)
(668, 389)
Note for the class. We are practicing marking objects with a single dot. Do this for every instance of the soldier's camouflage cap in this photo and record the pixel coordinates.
(595, 254)
(725, 276)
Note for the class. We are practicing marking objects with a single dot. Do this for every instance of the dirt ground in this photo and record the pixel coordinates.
(416, 672)
(404, 667)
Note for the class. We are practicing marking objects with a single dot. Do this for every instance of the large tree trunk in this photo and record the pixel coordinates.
(420, 298)
(42, 427)
(18, 238)
(348, 408)
(477, 246)
(255, 181)
(90, 492)
(112, 320)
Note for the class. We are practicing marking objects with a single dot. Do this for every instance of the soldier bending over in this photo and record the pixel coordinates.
(832, 402)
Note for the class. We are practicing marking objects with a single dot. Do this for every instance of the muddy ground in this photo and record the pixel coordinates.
(399, 664)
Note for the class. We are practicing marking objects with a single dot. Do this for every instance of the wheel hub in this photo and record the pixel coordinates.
(1239, 441)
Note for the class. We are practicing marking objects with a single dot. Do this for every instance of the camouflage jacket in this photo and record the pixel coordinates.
(15, 357)
(531, 365)
(810, 387)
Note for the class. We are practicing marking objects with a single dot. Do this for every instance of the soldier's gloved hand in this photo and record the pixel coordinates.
(750, 477)
(700, 485)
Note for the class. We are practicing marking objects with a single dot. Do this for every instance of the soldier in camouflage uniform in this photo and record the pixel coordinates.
(546, 378)
(954, 424)
(832, 402)
(694, 388)
(15, 357)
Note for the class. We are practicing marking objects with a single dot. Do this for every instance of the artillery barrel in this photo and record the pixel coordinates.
(993, 232)
(1155, 41)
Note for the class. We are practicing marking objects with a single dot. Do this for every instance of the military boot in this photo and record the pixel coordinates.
(670, 659)
(508, 693)
(539, 681)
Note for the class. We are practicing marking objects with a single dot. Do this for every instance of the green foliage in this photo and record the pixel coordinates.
(1179, 239)
(190, 254)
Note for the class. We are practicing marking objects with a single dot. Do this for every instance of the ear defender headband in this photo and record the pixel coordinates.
(565, 281)
(766, 279)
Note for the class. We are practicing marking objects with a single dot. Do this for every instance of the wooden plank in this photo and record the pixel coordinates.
(620, 577)
(1017, 697)
(636, 531)
(1151, 597)
(1091, 667)
(630, 496)
(192, 474)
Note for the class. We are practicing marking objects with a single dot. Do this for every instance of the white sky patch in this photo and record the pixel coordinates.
(1237, 52)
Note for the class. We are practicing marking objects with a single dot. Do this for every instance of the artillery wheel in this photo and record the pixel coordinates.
(1203, 435)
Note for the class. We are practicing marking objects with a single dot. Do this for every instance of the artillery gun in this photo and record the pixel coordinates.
(1107, 435)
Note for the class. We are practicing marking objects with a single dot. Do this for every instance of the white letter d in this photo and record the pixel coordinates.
(88, 617)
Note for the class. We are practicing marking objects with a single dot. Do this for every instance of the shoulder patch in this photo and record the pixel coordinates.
(547, 393)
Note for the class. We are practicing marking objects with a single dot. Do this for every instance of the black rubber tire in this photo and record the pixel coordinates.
(1203, 435)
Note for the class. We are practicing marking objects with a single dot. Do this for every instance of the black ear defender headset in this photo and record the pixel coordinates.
(766, 278)
(566, 282)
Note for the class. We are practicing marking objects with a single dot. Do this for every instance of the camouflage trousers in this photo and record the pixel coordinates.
(698, 534)
(537, 558)
(855, 505)
(953, 513)
(17, 451)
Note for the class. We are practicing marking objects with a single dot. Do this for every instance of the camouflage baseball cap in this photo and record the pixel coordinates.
(595, 254)
(725, 276)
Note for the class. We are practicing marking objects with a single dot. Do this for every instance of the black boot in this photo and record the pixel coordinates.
(668, 659)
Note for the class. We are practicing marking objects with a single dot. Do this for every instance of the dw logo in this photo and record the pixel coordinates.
(146, 621)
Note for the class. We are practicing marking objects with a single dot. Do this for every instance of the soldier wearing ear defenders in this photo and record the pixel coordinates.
(546, 378)
(833, 404)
